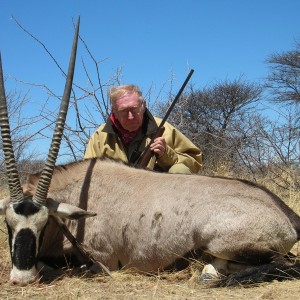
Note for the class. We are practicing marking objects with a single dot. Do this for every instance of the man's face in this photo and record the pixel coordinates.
(129, 110)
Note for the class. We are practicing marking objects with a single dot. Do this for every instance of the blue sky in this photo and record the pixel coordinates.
(150, 39)
(219, 39)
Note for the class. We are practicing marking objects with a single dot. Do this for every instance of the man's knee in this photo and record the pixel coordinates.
(179, 169)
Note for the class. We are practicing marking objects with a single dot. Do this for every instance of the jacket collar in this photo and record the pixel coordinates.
(149, 126)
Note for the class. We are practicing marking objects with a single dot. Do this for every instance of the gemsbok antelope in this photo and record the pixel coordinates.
(141, 219)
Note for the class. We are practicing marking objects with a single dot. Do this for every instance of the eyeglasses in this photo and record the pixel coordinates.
(134, 110)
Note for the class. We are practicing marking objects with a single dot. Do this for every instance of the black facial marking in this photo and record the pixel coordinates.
(26, 208)
(9, 231)
(24, 257)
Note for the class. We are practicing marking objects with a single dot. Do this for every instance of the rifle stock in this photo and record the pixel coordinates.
(147, 154)
(145, 157)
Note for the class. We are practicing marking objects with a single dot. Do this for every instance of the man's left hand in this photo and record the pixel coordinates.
(159, 146)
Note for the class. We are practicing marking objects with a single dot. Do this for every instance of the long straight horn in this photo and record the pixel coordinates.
(16, 194)
(46, 176)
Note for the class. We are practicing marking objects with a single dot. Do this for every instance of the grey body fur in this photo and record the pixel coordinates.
(147, 220)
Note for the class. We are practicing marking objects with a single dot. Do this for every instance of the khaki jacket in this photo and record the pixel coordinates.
(105, 142)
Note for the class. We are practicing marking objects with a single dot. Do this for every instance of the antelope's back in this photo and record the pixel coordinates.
(121, 194)
(147, 219)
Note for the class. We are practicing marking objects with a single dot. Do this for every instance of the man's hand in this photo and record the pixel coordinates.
(159, 146)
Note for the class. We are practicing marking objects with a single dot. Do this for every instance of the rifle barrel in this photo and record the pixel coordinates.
(176, 98)
(145, 157)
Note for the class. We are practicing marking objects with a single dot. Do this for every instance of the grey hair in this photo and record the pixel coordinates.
(116, 92)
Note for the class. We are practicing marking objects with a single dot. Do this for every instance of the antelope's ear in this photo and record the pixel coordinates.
(3, 204)
(65, 210)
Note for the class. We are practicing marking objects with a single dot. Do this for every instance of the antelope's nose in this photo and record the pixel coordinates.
(24, 277)
(21, 283)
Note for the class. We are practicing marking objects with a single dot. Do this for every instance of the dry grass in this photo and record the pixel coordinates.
(129, 285)
(124, 285)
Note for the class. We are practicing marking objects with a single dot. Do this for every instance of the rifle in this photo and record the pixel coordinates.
(145, 157)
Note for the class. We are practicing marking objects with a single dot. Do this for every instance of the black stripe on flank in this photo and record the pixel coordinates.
(253, 255)
(26, 208)
(24, 257)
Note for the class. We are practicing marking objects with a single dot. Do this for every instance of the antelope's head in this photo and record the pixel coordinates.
(26, 216)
